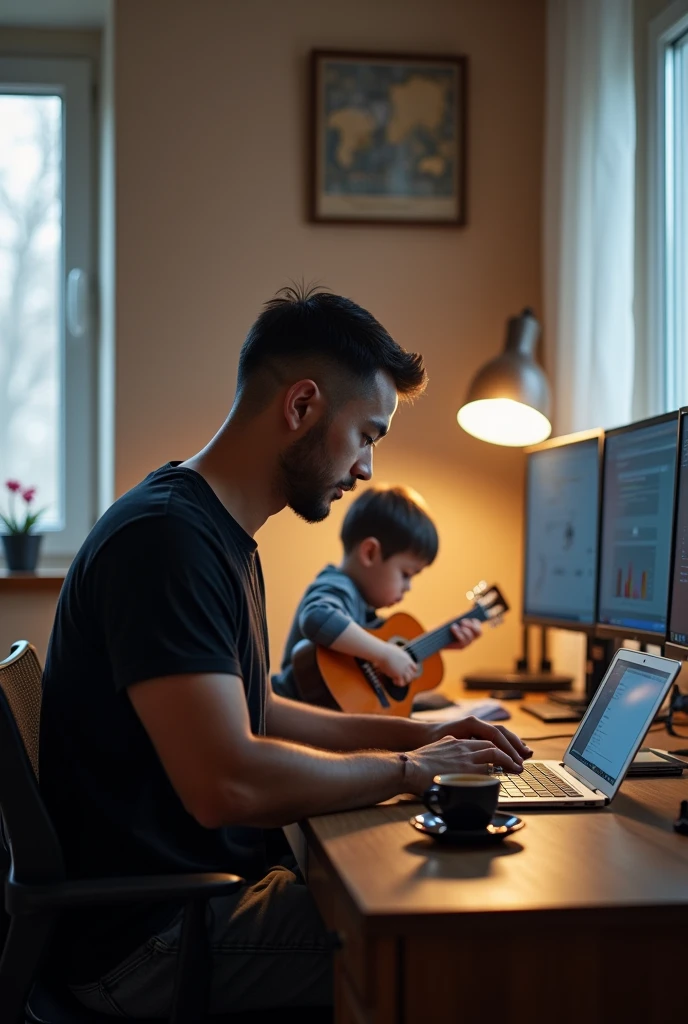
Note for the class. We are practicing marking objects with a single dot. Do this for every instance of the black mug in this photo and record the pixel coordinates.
(463, 802)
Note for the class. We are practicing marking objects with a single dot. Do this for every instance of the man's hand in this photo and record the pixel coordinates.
(475, 729)
(450, 755)
(396, 663)
(465, 632)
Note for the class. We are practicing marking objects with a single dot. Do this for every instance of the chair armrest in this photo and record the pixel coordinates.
(29, 899)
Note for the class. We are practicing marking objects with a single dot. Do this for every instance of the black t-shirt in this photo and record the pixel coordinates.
(167, 583)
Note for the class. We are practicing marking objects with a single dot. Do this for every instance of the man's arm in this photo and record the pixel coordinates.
(223, 774)
(335, 730)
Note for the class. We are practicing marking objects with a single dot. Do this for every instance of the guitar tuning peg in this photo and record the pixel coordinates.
(470, 595)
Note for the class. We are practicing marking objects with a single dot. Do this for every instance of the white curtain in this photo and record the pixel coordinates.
(589, 212)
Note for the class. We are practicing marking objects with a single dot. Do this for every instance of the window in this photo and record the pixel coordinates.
(668, 181)
(676, 220)
(47, 422)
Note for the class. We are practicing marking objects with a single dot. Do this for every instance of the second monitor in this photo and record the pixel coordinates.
(562, 509)
(636, 527)
(563, 482)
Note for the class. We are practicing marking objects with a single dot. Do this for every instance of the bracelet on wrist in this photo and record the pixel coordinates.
(404, 758)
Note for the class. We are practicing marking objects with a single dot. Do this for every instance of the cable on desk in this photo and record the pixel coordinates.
(554, 736)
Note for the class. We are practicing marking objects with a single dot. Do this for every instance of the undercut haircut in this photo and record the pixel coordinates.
(310, 329)
(397, 517)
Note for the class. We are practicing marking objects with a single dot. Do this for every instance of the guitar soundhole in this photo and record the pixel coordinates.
(402, 641)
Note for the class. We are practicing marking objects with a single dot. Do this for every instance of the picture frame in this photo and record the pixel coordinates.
(387, 138)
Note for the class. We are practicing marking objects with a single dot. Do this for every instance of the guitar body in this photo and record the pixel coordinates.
(334, 680)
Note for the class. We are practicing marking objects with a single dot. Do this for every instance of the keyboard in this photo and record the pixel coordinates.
(537, 780)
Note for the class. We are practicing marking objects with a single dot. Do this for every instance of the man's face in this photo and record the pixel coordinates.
(336, 452)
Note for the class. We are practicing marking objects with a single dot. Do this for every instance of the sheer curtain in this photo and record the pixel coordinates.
(589, 212)
(589, 229)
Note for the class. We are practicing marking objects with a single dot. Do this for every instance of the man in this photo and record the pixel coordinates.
(162, 747)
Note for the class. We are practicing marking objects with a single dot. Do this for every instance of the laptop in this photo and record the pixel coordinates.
(606, 741)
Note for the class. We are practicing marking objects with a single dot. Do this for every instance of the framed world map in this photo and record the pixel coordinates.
(388, 138)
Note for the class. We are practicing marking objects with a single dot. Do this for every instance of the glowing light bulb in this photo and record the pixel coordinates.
(504, 421)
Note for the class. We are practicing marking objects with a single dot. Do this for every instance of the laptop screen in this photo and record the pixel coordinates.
(619, 717)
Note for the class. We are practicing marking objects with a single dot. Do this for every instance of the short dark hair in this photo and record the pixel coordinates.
(397, 517)
(307, 322)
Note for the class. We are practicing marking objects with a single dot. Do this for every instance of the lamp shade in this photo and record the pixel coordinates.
(508, 401)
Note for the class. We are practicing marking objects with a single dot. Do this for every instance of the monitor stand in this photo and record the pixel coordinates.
(523, 678)
(520, 679)
(570, 707)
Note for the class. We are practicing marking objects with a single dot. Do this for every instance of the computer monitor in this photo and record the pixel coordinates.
(563, 480)
(677, 633)
(636, 528)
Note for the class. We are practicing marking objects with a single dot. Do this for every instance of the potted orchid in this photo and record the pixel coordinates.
(21, 546)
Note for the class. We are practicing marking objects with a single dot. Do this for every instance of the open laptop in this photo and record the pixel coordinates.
(606, 741)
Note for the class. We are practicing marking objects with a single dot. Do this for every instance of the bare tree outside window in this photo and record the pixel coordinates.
(31, 245)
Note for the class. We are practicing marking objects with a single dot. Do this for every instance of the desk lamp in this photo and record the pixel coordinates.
(508, 401)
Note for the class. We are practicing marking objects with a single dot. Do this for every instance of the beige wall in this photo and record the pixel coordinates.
(211, 164)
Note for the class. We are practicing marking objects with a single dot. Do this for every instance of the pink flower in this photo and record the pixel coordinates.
(29, 494)
(13, 485)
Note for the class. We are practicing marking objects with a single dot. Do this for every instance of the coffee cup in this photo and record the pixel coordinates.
(463, 802)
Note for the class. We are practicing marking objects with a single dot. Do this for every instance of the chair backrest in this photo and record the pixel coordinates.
(34, 846)
(20, 679)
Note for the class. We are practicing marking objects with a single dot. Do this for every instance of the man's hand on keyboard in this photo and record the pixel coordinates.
(474, 729)
(451, 754)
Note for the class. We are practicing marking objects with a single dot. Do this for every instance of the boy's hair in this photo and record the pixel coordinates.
(315, 327)
(397, 517)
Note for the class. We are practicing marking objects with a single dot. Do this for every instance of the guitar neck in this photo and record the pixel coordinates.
(430, 643)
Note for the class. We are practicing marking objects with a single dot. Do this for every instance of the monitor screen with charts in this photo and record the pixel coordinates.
(635, 538)
(678, 613)
(562, 507)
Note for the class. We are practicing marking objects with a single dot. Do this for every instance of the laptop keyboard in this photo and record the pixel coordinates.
(537, 780)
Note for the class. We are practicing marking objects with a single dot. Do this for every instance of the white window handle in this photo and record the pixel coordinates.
(77, 302)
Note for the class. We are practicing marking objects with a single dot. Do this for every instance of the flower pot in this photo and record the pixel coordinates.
(21, 550)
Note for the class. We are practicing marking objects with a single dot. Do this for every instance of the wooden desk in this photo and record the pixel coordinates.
(581, 917)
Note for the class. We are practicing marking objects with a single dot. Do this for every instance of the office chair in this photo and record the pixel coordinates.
(37, 889)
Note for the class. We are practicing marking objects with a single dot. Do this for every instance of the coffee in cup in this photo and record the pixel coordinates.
(463, 802)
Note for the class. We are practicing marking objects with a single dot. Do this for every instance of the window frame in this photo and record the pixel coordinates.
(72, 79)
(660, 387)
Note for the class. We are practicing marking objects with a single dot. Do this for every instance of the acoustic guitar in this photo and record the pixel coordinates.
(345, 683)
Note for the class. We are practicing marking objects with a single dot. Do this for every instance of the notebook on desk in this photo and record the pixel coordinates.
(489, 710)
(606, 741)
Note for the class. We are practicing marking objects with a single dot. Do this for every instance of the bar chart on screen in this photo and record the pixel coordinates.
(634, 572)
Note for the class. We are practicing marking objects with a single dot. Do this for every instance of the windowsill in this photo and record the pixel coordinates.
(42, 580)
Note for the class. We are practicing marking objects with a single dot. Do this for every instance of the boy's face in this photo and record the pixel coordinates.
(385, 581)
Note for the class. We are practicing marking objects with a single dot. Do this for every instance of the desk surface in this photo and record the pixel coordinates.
(607, 860)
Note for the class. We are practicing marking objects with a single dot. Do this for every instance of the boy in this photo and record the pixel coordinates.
(388, 538)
